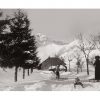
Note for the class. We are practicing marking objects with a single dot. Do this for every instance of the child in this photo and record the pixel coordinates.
(78, 82)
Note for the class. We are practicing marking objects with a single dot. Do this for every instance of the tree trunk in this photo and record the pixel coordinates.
(77, 70)
(23, 73)
(31, 70)
(16, 72)
(81, 68)
(87, 66)
(69, 66)
(28, 72)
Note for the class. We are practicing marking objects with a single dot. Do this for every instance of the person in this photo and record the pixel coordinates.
(97, 68)
(78, 82)
(57, 73)
(78, 65)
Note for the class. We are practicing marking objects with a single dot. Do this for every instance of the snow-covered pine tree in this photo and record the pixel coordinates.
(25, 45)
(4, 41)
(19, 46)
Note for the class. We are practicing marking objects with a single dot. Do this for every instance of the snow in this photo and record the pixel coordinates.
(94, 53)
(34, 87)
(41, 80)
(48, 50)
(70, 47)
(53, 49)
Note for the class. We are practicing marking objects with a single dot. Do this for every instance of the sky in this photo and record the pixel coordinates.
(63, 24)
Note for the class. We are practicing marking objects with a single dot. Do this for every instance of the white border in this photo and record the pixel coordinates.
(31, 95)
(50, 4)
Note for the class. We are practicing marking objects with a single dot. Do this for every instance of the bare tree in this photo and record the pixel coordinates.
(96, 40)
(69, 60)
(86, 46)
(79, 61)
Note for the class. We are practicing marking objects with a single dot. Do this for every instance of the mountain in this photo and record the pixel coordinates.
(48, 47)
(48, 50)
(42, 40)
(73, 46)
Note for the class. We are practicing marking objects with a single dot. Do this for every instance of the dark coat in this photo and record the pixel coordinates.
(97, 69)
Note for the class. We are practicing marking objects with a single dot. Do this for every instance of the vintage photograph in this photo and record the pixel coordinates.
(49, 49)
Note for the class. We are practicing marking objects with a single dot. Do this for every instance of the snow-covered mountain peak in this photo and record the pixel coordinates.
(41, 36)
(70, 47)
(53, 49)
(43, 40)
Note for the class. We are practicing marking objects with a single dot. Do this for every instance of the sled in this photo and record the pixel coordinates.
(93, 80)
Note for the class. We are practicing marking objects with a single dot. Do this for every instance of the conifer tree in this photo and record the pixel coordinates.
(19, 47)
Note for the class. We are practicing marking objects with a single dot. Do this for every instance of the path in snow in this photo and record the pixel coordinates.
(45, 81)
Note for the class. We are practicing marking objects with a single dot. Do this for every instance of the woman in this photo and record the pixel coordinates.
(97, 68)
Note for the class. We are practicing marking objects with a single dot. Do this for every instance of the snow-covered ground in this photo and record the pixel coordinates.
(46, 81)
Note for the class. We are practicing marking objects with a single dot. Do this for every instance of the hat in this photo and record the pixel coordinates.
(97, 57)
